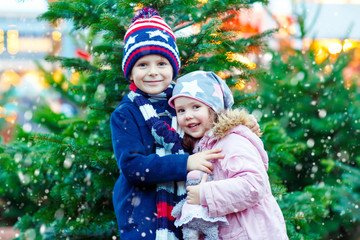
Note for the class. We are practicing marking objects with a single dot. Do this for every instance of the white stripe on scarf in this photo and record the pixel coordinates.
(164, 234)
(148, 112)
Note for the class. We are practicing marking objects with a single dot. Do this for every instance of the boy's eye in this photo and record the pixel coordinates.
(141, 65)
(180, 111)
(196, 106)
(162, 64)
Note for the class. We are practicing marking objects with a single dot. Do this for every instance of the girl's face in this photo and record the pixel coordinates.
(152, 74)
(194, 117)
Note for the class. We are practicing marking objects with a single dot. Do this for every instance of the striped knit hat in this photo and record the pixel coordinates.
(149, 34)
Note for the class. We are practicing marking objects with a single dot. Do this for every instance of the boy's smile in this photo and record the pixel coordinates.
(152, 74)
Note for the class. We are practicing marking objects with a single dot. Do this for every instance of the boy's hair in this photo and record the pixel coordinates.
(149, 34)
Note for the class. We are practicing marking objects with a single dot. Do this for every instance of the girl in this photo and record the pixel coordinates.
(241, 189)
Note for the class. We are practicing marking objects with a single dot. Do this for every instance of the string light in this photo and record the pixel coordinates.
(138, 7)
(2, 48)
(9, 78)
(334, 47)
(56, 36)
(2, 112)
(324, 48)
(240, 85)
(65, 86)
(240, 58)
(13, 41)
(349, 44)
(35, 45)
(223, 75)
(74, 78)
(9, 117)
(57, 76)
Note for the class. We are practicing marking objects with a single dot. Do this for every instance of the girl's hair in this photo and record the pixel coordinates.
(188, 141)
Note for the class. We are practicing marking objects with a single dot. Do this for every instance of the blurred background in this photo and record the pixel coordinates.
(54, 117)
(24, 43)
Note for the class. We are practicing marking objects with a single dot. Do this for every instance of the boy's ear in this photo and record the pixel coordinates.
(131, 78)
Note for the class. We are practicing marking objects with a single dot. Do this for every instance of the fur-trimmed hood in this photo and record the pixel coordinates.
(230, 119)
(238, 121)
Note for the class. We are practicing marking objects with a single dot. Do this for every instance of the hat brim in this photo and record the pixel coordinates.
(171, 100)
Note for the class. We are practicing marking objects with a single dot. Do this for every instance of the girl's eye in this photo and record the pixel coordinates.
(162, 64)
(180, 111)
(196, 106)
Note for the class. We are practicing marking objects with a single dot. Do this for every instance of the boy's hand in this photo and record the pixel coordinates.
(193, 192)
(200, 161)
(254, 126)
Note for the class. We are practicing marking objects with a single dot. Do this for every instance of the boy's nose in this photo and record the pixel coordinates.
(153, 70)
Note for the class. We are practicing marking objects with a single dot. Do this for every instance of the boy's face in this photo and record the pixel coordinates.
(193, 116)
(152, 74)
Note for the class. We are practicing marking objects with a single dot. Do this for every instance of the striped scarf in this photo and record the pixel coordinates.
(168, 141)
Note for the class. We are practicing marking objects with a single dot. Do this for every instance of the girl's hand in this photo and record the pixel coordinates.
(200, 161)
(193, 192)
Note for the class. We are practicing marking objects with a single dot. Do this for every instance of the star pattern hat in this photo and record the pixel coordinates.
(149, 34)
(205, 87)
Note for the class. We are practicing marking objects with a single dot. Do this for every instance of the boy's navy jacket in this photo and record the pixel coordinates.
(134, 195)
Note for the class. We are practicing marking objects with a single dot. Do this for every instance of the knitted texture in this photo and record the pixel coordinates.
(168, 141)
(149, 34)
(205, 87)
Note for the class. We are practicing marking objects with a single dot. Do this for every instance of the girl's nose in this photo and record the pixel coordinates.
(188, 116)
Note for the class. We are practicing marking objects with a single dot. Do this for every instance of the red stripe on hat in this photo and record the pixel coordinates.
(144, 27)
(150, 48)
(164, 210)
(149, 23)
(153, 20)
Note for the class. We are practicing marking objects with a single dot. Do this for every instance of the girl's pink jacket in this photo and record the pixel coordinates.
(241, 188)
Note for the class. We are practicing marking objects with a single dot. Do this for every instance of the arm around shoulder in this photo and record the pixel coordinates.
(133, 146)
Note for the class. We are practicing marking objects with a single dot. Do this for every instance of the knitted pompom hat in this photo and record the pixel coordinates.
(149, 34)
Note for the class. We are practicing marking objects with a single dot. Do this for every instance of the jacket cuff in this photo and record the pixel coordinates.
(202, 195)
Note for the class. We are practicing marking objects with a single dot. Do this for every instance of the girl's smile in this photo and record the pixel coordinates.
(193, 116)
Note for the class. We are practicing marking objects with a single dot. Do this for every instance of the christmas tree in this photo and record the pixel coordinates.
(7, 108)
(306, 92)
